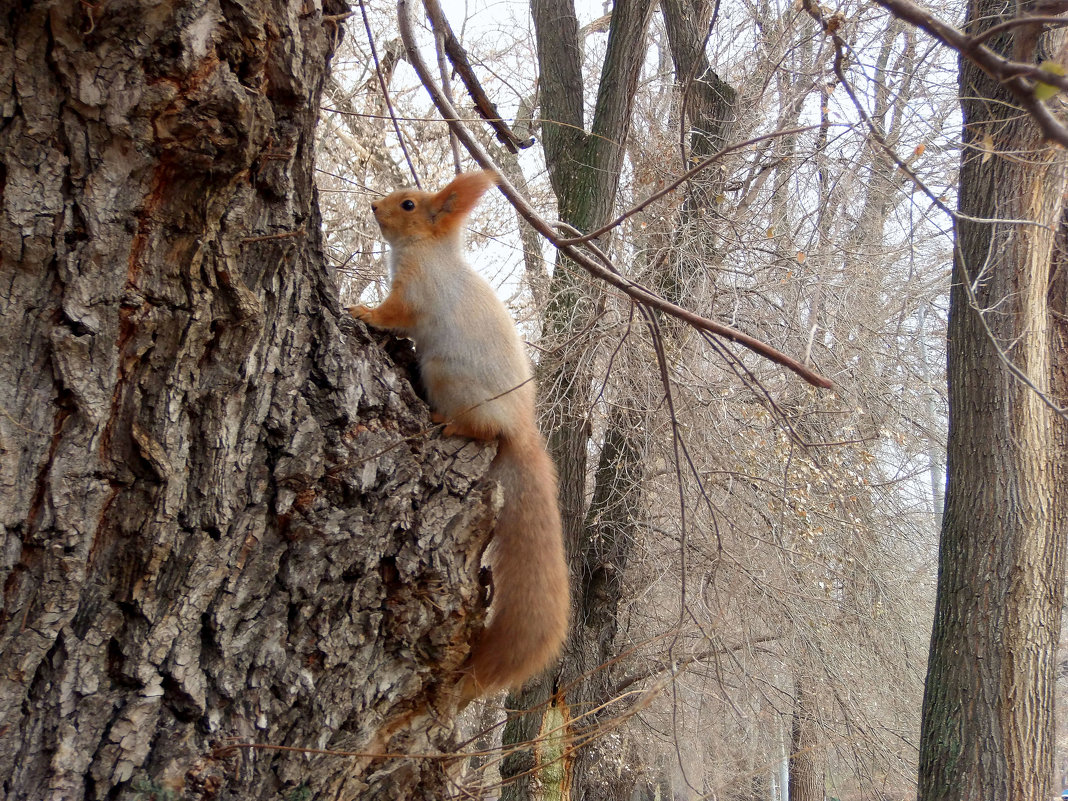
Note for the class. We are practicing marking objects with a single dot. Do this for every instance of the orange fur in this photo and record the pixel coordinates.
(478, 380)
(435, 214)
(529, 614)
(393, 312)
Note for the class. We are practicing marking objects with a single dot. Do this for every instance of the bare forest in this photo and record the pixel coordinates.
(755, 556)
(792, 278)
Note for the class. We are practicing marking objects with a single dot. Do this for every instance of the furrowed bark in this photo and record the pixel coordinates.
(221, 520)
(988, 708)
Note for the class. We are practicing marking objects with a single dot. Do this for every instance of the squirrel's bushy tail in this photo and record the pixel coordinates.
(529, 609)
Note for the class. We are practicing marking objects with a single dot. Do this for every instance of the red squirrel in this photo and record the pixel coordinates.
(479, 383)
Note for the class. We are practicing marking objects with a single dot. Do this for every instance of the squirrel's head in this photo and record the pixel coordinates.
(409, 215)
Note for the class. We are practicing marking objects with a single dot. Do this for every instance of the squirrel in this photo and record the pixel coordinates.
(479, 383)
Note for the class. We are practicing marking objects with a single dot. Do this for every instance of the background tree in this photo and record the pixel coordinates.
(988, 706)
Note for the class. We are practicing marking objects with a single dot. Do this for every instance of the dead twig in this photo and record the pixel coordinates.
(458, 56)
(1020, 78)
(385, 93)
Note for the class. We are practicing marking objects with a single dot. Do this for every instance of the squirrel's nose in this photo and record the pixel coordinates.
(374, 208)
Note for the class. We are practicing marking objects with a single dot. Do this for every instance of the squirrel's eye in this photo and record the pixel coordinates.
(408, 205)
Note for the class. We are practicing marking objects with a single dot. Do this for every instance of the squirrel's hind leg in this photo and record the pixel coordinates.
(465, 426)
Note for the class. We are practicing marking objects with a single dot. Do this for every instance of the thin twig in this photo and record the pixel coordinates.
(1001, 27)
(458, 56)
(1013, 75)
(686, 176)
(446, 87)
(1035, 106)
(385, 94)
(267, 237)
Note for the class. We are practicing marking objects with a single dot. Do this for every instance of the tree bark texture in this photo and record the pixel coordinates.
(707, 101)
(221, 519)
(708, 108)
(987, 717)
(1058, 306)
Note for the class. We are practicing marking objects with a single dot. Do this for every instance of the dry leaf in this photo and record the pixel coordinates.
(987, 146)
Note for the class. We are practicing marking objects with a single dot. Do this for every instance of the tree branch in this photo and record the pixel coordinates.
(1018, 77)
(686, 176)
(1035, 107)
(619, 73)
(458, 56)
(525, 210)
(385, 94)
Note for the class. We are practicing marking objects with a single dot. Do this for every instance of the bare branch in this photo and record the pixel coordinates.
(1018, 77)
(1037, 109)
(458, 56)
(1001, 27)
(446, 87)
(526, 211)
(686, 176)
(385, 93)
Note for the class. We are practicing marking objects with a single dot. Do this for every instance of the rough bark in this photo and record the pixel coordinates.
(1058, 351)
(708, 109)
(708, 102)
(221, 519)
(987, 717)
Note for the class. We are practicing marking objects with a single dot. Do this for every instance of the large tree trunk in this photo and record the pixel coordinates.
(988, 708)
(220, 518)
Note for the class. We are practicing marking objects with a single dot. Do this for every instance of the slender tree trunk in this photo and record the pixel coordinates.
(988, 707)
(584, 170)
(708, 107)
(212, 530)
(601, 538)
(807, 772)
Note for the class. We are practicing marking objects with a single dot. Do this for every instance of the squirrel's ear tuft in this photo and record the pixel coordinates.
(452, 204)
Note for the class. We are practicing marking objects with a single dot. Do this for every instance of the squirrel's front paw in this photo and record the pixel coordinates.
(360, 312)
